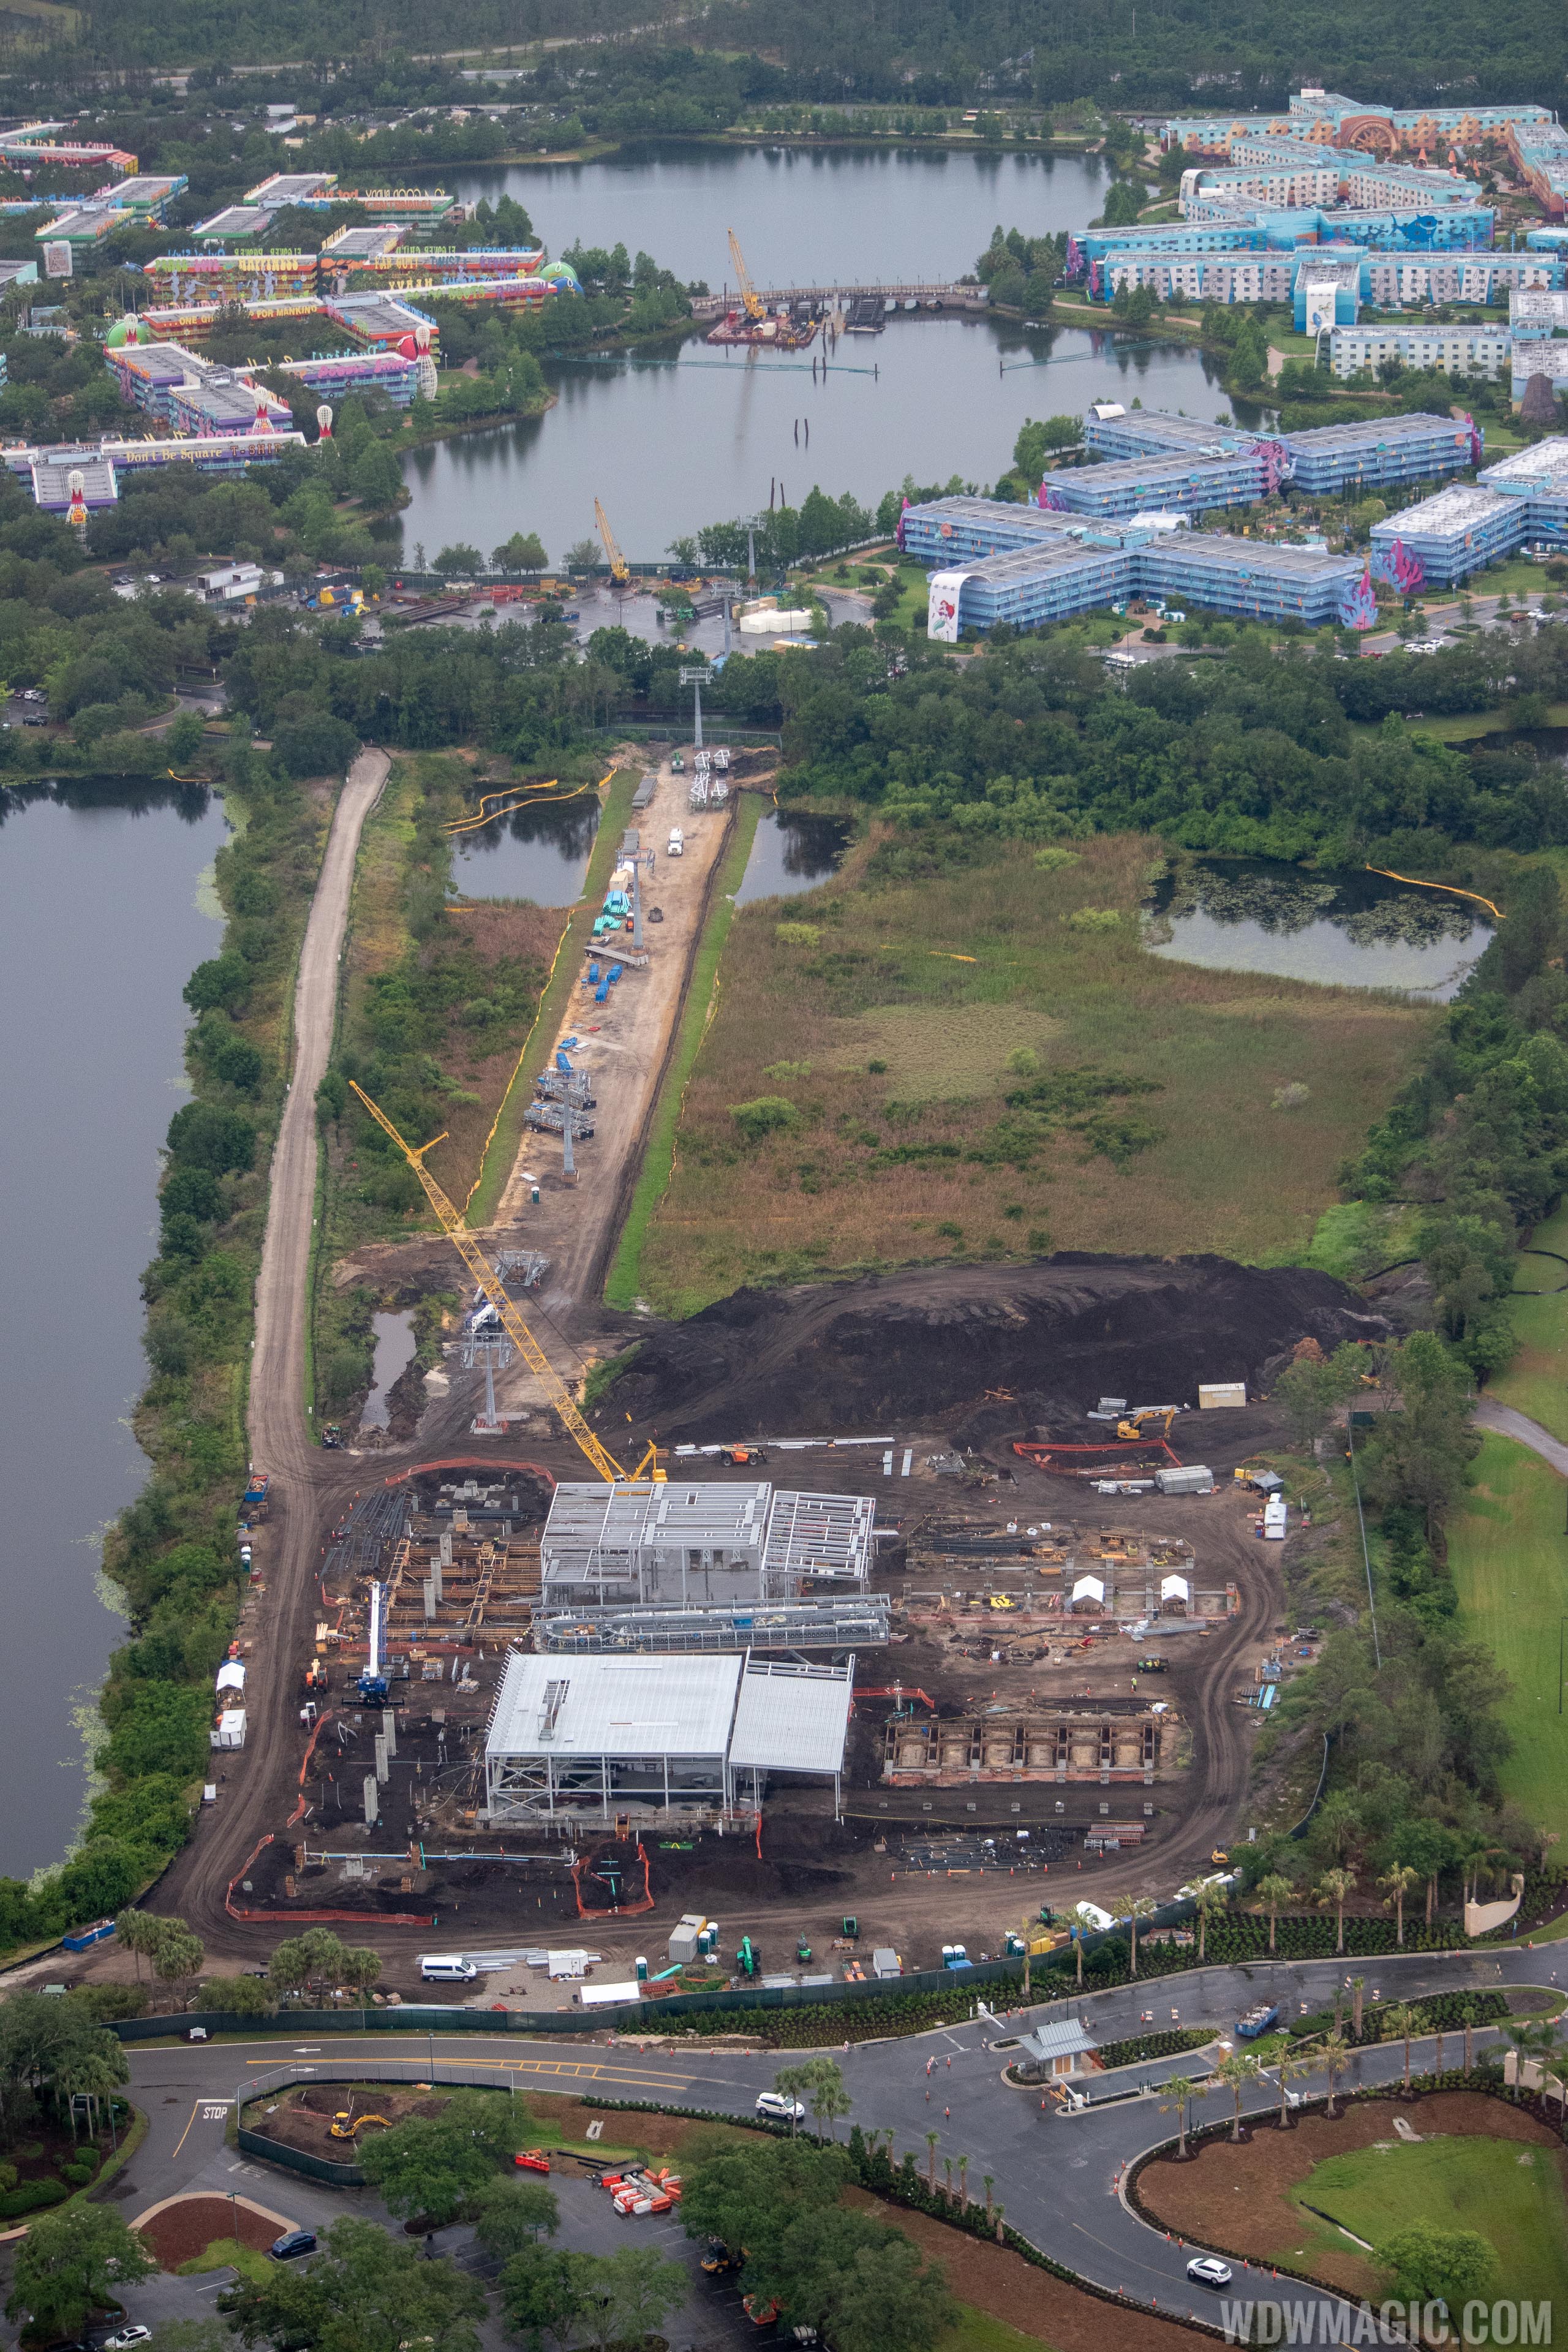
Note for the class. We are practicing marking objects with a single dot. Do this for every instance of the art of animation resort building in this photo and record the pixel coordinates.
(1521, 500)
(1329, 460)
(995, 563)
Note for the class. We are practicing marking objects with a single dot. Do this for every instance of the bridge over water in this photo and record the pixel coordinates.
(839, 297)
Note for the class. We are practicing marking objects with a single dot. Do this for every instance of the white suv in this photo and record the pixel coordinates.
(781, 2110)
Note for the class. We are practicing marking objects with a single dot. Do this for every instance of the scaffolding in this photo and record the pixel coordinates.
(823, 1624)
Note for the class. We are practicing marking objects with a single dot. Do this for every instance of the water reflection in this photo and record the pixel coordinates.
(393, 1354)
(539, 853)
(1340, 929)
(792, 853)
(102, 920)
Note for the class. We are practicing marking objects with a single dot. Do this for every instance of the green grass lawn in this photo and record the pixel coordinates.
(228, 2254)
(1536, 1382)
(977, 2331)
(1511, 2193)
(1509, 1555)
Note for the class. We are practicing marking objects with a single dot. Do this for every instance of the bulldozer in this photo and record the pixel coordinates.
(1133, 1428)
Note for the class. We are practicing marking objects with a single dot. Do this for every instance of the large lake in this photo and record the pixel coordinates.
(679, 436)
(103, 915)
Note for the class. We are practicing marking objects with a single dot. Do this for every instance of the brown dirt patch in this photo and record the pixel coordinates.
(187, 2229)
(1237, 2199)
(1033, 2301)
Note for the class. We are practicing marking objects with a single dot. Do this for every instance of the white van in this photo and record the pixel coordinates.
(447, 1968)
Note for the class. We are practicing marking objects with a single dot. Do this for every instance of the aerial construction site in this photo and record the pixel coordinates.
(832, 1592)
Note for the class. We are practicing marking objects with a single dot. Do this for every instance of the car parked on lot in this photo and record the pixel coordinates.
(293, 2244)
(126, 2338)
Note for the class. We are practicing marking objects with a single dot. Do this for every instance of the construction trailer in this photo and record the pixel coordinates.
(657, 1739)
(674, 1544)
(1113, 1740)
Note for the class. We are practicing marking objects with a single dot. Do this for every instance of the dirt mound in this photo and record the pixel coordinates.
(915, 1349)
(189, 2226)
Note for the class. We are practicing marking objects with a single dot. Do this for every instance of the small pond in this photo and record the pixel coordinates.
(792, 853)
(393, 1354)
(1342, 929)
(539, 853)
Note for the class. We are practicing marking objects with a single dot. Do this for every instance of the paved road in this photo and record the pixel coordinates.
(255, 1799)
(1504, 1422)
(1058, 2177)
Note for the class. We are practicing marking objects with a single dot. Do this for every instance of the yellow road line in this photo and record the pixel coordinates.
(186, 2133)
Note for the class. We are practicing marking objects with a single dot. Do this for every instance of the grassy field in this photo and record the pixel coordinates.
(1509, 1555)
(979, 2331)
(1536, 1382)
(1513, 2194)
(888, 1032)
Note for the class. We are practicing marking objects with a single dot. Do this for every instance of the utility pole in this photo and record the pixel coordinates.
(568, 1164)
(750, 554)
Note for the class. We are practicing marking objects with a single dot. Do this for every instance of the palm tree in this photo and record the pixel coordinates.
(1358, 1996)
(1236, 2073)
(1288, 2065)
(947, 2178)
(1402, 2020)
(931, 2139)
(1272, 1891)
(990, 2181)
(1399, 1882)
(1334, 1888)
(1209, 1898)
(791, 2082)
(1083, 1922)
(1336, 2055)
(1437, 2063)
(1140, 1906)
(1525, 2036)
(964, 2182)
(1179, 2091)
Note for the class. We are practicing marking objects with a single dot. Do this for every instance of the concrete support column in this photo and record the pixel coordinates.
(389, 1729)
(372, 1801)
(380, 1755)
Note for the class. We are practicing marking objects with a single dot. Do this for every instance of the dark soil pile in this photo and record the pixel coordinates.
(915, 1349)
(186, 2229)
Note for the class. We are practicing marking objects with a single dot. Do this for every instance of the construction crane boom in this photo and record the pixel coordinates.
(490, 1283)
(620, 570)
(749, 295)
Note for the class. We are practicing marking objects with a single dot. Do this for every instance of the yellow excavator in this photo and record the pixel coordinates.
(346, 2124)
(516, 1329)
(1134, 1425)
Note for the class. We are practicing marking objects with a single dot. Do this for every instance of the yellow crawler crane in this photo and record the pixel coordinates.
(620, 570)
(516, 1329)
(750, 300)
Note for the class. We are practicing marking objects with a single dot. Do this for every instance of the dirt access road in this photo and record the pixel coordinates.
(279, 1442)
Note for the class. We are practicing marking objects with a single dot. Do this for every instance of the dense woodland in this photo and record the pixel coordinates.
(1215, 51)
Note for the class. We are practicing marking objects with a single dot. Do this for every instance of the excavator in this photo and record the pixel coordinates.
(346, 2124)
(1133, 1426)
(605, 1464)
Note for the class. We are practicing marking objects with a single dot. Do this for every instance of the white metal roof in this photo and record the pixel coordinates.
(1087, 1585)
(1063, 2038)
(1173, 1588)
(1544, 461)
(793, 1718)
(588, 1515)
(614, 1706)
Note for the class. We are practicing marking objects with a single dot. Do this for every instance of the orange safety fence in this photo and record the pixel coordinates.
(299, 1812)
(317, 1918)
(470, 1461)
(617, 1910)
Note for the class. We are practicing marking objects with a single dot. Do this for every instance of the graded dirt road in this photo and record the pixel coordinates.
(280, 1441)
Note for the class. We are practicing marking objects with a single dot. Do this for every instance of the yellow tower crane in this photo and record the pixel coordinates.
(490, 1283)
(620, 570)
(748, 296)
